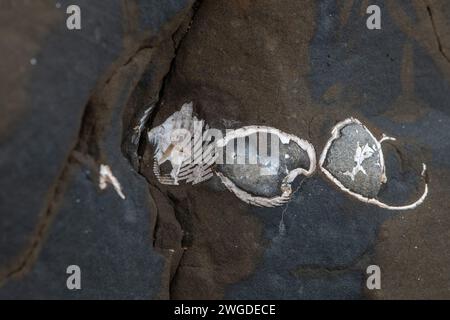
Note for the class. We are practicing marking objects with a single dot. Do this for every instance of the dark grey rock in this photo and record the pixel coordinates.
(108, 238)
(52, 213)
(36, 146)
(321, 254)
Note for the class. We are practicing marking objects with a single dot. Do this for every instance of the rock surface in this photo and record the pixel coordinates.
(72, 100)
(302, 67)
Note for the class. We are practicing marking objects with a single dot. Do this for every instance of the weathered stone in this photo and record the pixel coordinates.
(300, 66)
(47, 105)
(79, 88)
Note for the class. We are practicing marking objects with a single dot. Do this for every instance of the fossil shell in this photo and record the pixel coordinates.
(353, 159)
(260, 172)
(267, 180)
(175, 144)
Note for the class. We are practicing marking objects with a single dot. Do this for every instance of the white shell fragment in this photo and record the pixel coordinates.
(353, 159)
(140, 126)
(175, 142)
(106, 177)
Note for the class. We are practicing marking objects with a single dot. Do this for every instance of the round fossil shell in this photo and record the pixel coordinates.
(272, 169)
(264, 178)
(353, 160)
(354, 157)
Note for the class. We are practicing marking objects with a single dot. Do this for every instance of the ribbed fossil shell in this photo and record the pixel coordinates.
(175, 149)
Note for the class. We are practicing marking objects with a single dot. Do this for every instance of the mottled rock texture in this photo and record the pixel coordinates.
(299, 66)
